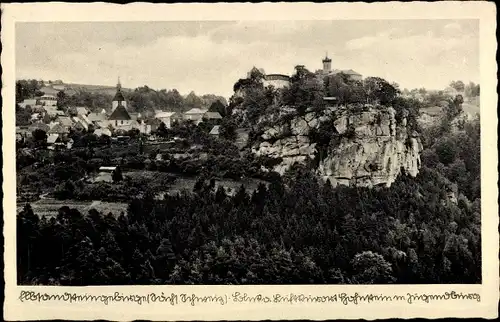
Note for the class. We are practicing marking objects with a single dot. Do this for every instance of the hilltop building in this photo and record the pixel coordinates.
(282, 81)
(327, 70)
(276, 80)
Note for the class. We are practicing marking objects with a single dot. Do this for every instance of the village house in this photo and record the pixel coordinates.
(58, 129)
(28, 102)
(48, 100)
(79, 124)
(167, 118)
(52, 139)
(102, 131)
(215, 131)
(195, 115)
(65, 121)
(153, 123)
(54, 113)
(96, 117)
(212, 116)
(81, 110)
(39, 126)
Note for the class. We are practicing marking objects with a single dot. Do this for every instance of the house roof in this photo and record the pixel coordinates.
(39, 126)
(162, 114)
(107, 168)
(29, 102)
(120, 113)
(94, 117)
(104, 131)
(51, 112)
(65, 121)
(212, 115)
(196, 111)
(85, 119)
(81, 110)
(82, 122)
(103, 123)
(350, 72)
(59, 129)
(215, 130)
(52, 138)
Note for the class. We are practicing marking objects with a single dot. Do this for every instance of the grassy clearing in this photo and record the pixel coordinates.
(50, 207)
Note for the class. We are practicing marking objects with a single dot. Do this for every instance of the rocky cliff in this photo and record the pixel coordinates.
(364, 146)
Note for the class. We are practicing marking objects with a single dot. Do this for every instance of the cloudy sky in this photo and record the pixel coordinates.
(209, 57)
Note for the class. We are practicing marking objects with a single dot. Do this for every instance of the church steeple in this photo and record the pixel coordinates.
(118, 100)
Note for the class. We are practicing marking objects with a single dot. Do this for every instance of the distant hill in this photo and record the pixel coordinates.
(111, 90)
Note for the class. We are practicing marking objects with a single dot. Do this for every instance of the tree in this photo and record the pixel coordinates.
(379, 90)
(371, 268)
(304, 92)
(192, 101)
(217, 106)
(61, 100)
(447, 151)
(40, 136)
(227, 129)
(117, 175)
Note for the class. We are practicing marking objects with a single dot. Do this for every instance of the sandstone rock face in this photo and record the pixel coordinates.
(370, 148)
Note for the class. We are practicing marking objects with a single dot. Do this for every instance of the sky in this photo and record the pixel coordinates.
(209, 57)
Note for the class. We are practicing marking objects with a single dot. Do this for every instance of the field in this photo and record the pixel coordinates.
(187, 183)
(50, 207)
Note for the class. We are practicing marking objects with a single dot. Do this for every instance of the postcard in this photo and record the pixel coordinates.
(270, 161)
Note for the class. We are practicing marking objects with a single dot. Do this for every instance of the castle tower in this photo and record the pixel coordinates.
(327, 64)
(118, 99)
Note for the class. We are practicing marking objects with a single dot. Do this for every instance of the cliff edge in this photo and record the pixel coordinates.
(349, 145)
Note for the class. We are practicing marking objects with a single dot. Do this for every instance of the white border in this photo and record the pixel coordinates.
(489, 290)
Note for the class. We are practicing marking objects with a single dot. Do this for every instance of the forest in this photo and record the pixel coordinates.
(295, 231)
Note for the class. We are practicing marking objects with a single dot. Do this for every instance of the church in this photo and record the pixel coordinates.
(120, 118)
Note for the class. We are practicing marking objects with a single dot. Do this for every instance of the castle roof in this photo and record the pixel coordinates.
(350, 72)
(120, 113)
